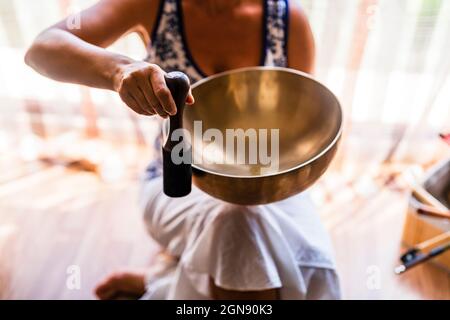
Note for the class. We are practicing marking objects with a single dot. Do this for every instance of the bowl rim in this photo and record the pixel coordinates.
(287, 70)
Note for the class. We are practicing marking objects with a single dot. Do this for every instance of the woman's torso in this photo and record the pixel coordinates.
(255, 35)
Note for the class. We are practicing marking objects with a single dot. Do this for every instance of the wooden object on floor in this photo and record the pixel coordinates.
(419, 229)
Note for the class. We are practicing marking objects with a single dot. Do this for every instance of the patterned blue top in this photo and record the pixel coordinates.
(169, 49)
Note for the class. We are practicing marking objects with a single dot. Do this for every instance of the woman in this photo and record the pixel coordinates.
(212, 249)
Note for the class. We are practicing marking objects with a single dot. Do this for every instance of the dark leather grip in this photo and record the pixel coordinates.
(177, 153)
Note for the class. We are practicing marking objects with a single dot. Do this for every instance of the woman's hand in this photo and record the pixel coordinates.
(142, 87)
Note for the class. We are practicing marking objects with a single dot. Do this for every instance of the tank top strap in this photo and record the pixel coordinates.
(277, 28)
(168, 47)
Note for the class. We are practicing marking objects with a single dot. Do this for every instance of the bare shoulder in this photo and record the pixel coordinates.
(139, 11)
(301, 48)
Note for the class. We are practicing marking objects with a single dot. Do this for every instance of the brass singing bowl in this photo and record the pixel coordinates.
(308, 118)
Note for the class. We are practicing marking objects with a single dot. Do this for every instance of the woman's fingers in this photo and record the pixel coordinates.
(146, 88)
(142, 86)
(131, 102)
(190, 98)
(161, 91)
(138, 95)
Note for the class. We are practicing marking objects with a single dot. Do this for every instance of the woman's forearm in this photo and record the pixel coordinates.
(62, 56)
(78, 56)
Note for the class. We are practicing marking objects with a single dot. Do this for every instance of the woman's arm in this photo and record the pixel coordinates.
(78, 55)
(301, 49)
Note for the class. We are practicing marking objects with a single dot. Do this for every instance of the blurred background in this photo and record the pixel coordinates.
(71, 157)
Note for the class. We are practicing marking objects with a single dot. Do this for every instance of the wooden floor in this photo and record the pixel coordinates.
(366, 235)
(52, 219)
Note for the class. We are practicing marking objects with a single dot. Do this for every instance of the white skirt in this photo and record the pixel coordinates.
(241, 248)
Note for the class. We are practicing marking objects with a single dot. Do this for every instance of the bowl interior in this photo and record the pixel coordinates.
(306, 115)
